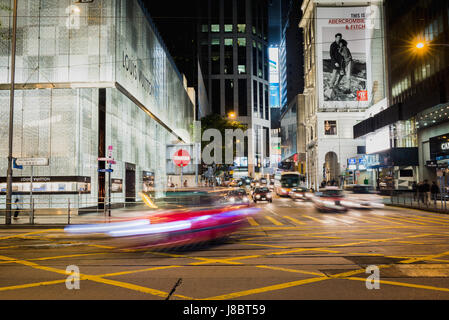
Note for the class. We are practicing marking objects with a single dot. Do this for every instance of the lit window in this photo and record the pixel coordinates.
(242, 69)
(215, 42)
(215, 28)
(241, 42)
(228, 27)
(228, 42)
(204, 28)
(241, 28)
(254, 30)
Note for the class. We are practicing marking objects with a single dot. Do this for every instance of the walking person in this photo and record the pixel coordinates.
(420, 192)
(16, 213)
(434, 190)
(415, 190)
(426, 190)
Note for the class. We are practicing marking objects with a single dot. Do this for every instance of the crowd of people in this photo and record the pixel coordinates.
(424, 193)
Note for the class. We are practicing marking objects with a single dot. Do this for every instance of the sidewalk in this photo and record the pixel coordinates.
(408, 202)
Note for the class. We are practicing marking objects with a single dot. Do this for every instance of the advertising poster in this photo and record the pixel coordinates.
(273, 58)
(344, 64)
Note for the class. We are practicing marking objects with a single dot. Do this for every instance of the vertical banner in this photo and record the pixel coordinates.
(273, 58)
(344, 59)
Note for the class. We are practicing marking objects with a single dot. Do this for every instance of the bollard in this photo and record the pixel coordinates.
(68, 211)
(32, 212)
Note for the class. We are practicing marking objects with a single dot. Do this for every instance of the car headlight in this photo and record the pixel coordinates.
(258, 196)
(245, 199)
(232, 199)
(268, 195)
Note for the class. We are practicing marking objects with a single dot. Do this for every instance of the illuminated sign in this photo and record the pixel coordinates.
(273, 59)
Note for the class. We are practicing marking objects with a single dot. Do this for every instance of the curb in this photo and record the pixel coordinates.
(417, 208)
(32, 226)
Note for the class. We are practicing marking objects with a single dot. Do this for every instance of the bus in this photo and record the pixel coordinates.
(285, 181)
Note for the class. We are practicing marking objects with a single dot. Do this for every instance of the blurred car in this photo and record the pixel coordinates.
(329, 200)
(271, 185)
(298, 193)
(263, 182)
(237, 196)
(168, 228)
(262, 194)
(363, 197)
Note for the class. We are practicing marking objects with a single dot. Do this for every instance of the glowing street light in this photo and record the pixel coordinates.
(232, 115)
(420, 45)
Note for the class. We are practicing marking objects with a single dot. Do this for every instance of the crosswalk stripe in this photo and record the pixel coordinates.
(364, 220)
(428, 220)
(252, 222)
(385, 220)
(341, 220)
(274, 221)
(294, 220)
(317, 220)
(405, 220)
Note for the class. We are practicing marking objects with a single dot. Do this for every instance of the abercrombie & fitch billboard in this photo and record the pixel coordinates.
(344, 56)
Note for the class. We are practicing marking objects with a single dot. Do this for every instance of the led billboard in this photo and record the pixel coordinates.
(273, 58)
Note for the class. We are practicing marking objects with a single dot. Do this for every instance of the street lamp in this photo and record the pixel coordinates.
(232, 115)
(11, 119)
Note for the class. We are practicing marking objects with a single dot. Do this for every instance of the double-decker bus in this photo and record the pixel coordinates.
(285, 181)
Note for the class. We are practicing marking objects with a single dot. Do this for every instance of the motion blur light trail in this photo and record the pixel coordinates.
(171, 228)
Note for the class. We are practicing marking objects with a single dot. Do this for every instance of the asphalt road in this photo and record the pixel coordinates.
(289, 251)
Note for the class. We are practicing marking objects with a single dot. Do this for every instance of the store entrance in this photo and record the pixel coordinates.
(130, 182)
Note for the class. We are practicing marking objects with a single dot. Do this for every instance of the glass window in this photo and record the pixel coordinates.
(241, 55)
(204, 28)
(216, 91)
(261, 100)
(215, 28)
(228, 27)
(255, 108)
(241, 28)
(254, 30)
(215, 56)
(241, 12)
(228, 56)
(229, 95)
(330, 127)
(243, 107)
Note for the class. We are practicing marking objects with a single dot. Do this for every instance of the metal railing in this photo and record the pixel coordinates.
(65, 212)
(420, 200)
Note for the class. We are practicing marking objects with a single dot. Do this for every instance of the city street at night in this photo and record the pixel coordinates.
(288, 251)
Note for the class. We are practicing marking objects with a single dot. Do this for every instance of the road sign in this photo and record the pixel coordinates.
(109, 160)
(105, 170)
(32, 161)
(181, 158)
(14, 164)
(109, 151)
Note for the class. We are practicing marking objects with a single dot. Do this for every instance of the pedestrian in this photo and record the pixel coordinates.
(415, 190)
(426, 190)
(16, 213)
(420, 192)
(434, 190)
(185, 183)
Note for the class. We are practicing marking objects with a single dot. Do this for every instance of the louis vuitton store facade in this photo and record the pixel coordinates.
(89, 76)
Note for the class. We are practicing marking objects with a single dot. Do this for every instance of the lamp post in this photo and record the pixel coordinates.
(11, 118)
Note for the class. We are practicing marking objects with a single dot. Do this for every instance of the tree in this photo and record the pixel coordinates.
(216, 121)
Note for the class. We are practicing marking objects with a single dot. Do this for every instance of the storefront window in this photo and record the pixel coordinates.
(330, 127)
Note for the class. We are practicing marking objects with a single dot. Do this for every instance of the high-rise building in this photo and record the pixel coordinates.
(291, 57)
(344, 68)
(291, 63)
(233, 52)
(92, 80)
(406, 140)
